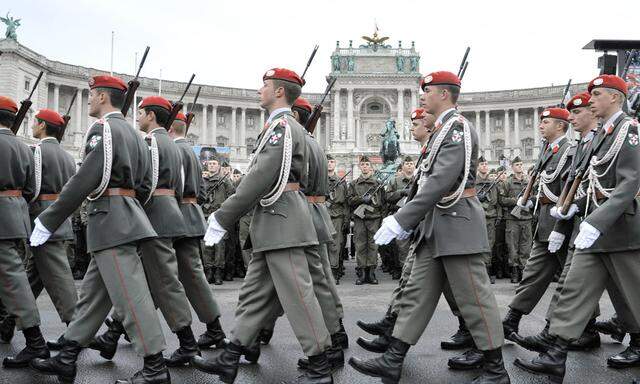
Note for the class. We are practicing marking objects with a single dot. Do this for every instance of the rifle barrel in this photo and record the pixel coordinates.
(464, 60)
(188, 86)
(73, 99)
(328, 89)
(35, 85)
(313, 54)
(564, 94)
(144, 58)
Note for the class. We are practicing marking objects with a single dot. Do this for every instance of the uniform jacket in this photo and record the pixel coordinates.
(356, 192)
(17, 173)
(216, 191)
(550, 161)
(460, 229)
(397, 189)
(57, 168)
(508, 194)
(194, 222)
(112, 220)
(618, 217)
(287, 222)
(490, 203)
(338, 206)
(318, 185)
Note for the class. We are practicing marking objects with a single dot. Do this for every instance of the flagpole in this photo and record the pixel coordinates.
(112, 37)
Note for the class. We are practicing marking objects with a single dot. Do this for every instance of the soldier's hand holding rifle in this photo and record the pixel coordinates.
(525, 205)
(557, 213)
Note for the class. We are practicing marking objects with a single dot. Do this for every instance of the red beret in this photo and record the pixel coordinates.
(579, 101)
(556, 113)
(6, 104)
(418, 114)
(283, 74)
(181, 116)
(51, 117)
(155, 101)
(106, 81)
(302, 103)
(609, 81)
(440, 78)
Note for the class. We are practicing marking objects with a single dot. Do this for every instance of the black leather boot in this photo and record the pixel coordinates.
(471, 359)
(252, 352)
(107, 343)
(388, 367)
(217, 276)
(628, 358)
(223, 362)
(340, 338)
(7, 328)
(461, 339)
(536, 343)
(372, 276)
(514, 275)
(378, 345)
(318, 371)
(213, 336)
(56, 345)
(611, 327)
(379, 327)
(590, 338)
(492, 278)
(511, 323)
(360, 277)
(208, 273)
(551, 363)
(228, 275)
(334, 354)
(35, 348)
(63, 365)
(336, 275)
(265, 335)
(493, 371)
(108, 322)
(154, 371)
(188, 349)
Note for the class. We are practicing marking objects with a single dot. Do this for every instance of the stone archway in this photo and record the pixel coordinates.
(371, 114)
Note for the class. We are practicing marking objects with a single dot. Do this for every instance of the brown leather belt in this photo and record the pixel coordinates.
(48, 197)
(292, 187)
(545, 200)
(119, 192)
(189, 200)
(164, 192)
(11, 193)
(316, 199)
(469, 192)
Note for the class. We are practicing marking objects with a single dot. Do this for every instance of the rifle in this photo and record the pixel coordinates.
(133, 86)
(24, 107)
(190, 115)
(564, 94)
(360, 211)
(177, 106)
(219, 182)
(66, 119)
(464, 70)
(463, 63)
(526, 193)
(310, 126)
(313, 54)
(342, 179)
(484, 189)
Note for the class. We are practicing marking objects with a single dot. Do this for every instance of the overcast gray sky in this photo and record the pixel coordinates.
(514, 44)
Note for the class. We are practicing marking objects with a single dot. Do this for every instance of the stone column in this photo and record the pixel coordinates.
(414, 100)
(536, 133)
(318, 131)
(479, 131)
(516, 132)
(204, 132)
(400, 118)
(261, 119)
(234, 128)
(487, 134)
(56, 98)
(213, 140)
(507, 142)
(350, 122)
(336, 116)
(79, 131)
(243, 132)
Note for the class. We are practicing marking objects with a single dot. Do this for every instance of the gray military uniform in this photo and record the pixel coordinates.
(365, 227)
(450, 242)
(339, 212)
(518, 231)
(116, 223)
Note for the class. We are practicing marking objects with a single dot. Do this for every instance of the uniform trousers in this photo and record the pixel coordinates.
(281, 274)
(491, 233)
(335, 247)
(15, 291)
(469, 282)
(115, 277)
(366, 248)
(518, 237)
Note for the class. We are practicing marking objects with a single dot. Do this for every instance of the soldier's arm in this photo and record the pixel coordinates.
(493, 196)
(445, 172)
(79, 186)
(352, 196)
(229, 188)
(627, 178)
(182, 174)
(393, 194)
(28, 190)
(504, 197)
(340, 194)
(257, 183)
(144, 189)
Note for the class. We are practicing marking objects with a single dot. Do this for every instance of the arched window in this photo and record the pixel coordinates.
(375, 108)
(498, 148)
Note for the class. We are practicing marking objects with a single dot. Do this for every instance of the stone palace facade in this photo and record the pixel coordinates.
(374, 82)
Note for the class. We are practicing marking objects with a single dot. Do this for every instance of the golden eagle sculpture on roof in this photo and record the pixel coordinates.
(375, 41)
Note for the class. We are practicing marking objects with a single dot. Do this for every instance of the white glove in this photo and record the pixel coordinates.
(40, 234)
(555, 241)
(528, 205)
(555, 212)
(587, 236)
(389, 230)
(215, 232)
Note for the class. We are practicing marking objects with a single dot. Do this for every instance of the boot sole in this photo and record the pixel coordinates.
(227, 379)
(452, 347)
(617, 365)
(385, 380)
(462, 367)
(552, 378)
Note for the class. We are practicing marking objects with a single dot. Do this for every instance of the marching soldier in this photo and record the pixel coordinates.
(218, 188)
(450, 242)
(339, 212)
(366, 208)
(543, 265)
(188, 248)
(608, 241)
(116, 176)
(518, 235)
(16, 188)
(281, 229)
(396, 190)
(488, 196)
